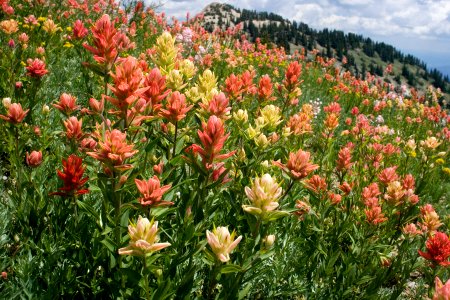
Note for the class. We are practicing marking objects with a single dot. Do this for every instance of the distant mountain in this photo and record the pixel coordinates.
(362, 53)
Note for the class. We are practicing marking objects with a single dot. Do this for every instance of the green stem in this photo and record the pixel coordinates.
(146, 283)
(175, 139)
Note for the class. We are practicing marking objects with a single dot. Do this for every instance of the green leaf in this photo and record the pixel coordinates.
(274, 215)
(230, 269)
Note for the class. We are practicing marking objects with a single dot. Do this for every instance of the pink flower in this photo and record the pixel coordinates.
(34, 159)
(36, 68)
(441, 291)
(15, 114)
(298, 166)
(67, 104)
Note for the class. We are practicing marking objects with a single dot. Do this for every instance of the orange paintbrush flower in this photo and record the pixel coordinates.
(127, 80)
(15, 114)
(112, 149)
(388, 175)
(73, 128)
(157, 91)
(176, 108)
(298, 166)
(152, 192)
(67, 104)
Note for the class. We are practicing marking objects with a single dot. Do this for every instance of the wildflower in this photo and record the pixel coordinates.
(346, 188)
(152, 192)
(261, 141)
(441, 291)
(15, 114)
(4, 275)
(431, 143)
(268, 241)
(233, 86)
(79, 31)
(438, 249)
(374, 215)
(316, 184)
(300, 123)
(335, 198)
(176, 108)
(105, 38)
(166, 52)
(156, 92)
(298, 166)
(265, 89)
(293, 73)
(218, 106)
(72, 177)
(388, 175)
(9, 26)
(143, 238)
(411, 229)
(73, 128)
(67, 104)
(344, 159)
(96, 106)
(36, 68)
(263, 194)
(430, 219)
(302, 208)
(50, 27)
(331, 121)
(271, 115)
(241, 116)
(222, 242)
(212, 138)
(6, 102)
(113, 150)
(34, 159)
(394, 193)
(127, 80)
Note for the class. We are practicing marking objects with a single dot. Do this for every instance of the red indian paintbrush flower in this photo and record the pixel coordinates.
(104, 38)
(293, 73)
(176, 108)
(79, 31)
(15, 114)
(298, 166)
(438, 249)
(72, 177)
(152, 192)
(265, 89)
(36, 68)
(212, 138)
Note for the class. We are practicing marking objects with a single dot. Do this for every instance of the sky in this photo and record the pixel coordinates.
(418, 27)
